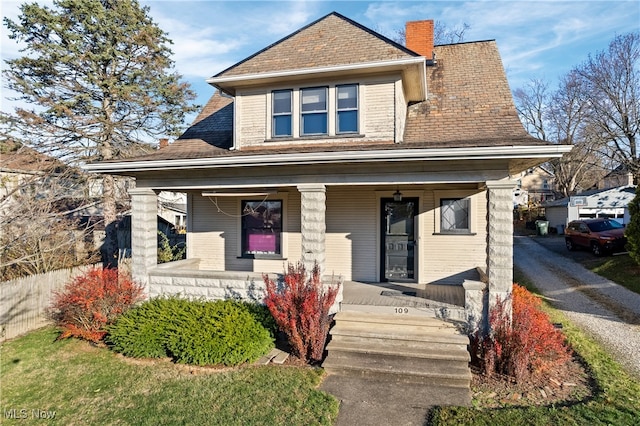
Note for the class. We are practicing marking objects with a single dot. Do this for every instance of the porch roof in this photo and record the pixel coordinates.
(517, 155)
(469, 115)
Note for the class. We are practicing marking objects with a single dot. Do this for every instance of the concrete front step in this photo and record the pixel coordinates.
(402, 364)
(399, 332)
(357, 341)
(447, 312)
(370, 402)
(405, 348)
(457, 377)
(385, 318)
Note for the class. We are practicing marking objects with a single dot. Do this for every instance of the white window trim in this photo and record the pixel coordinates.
(296, 113)
(273, 115)
(357, 108)
(447, 194)
(326, 111)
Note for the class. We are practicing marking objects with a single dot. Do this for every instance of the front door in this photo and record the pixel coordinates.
(398, 239)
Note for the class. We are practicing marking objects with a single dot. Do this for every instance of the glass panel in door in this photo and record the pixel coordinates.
(398, 239)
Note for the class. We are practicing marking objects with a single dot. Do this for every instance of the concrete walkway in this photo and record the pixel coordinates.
(608, 312)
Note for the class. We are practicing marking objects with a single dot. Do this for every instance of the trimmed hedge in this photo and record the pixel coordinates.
(196, 332)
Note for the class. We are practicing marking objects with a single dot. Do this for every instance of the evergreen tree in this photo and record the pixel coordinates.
(633, 228)
(99, 81)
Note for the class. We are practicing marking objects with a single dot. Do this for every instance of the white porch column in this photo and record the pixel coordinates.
(500, 239)
(313, 225)
(144, 238)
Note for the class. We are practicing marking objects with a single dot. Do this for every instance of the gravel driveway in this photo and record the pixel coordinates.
(605, 310)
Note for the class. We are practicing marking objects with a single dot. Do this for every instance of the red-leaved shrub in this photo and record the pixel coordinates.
(522, 345)
(300, 307)
(92, 301)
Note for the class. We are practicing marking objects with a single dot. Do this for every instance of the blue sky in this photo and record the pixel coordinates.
(537, 39)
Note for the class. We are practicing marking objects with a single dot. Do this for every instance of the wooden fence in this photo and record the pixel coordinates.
(23, 301)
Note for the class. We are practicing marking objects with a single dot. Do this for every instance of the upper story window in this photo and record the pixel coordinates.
(347, 109)
(313, 111)
(282, 109)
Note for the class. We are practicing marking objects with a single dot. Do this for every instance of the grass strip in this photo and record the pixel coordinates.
(84, 384)
(620, 269)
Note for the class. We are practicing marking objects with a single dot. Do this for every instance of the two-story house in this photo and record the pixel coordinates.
(539, 184)
(380, 162)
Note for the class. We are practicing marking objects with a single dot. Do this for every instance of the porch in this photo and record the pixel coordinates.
(362, 233)
(457, 303)
(431, 300)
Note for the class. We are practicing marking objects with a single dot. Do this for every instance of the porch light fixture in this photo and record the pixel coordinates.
(397, 196)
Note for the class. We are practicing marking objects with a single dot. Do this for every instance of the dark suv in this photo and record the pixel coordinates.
(599, 235)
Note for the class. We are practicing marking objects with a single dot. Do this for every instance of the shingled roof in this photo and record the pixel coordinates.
(469, 105)
(469, 101)
(16, 158)
(331, 40)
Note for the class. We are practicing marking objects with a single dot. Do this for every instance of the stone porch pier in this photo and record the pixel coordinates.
(313, 225)
(499, 242)
(144, 238)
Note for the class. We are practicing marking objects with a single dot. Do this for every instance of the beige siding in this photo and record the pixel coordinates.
(448, 259)
(252, 118)
(214, 236)
(214, 233)
(382, 112)
(379, 110)
(351, 233)
(401, 111)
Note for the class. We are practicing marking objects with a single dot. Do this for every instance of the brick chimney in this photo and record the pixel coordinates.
(164, 142)
(419, 37)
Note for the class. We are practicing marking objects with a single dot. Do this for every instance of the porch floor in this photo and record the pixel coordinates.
(423, 299)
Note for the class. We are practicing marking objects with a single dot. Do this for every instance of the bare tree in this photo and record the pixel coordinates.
(532, 104)
(39, 231)
(568, 117)
(611, 86)
(560, 117)
(442, 34)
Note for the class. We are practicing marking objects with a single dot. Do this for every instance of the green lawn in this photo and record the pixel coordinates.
(84, 384)
(616, 400)
(620, 269)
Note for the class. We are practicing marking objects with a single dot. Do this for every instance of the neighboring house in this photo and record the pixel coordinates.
(172, 207)
(612, 203)
(27, 172)
(338, 146)
(620, 176)
(175, 240)
(538, 183)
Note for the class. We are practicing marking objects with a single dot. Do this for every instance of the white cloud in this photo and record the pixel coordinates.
(207, 43)
(296, 15)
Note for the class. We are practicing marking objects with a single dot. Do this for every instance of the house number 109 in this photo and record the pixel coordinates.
(402, 310)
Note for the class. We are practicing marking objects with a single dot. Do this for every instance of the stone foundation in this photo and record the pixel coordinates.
(185, 279)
